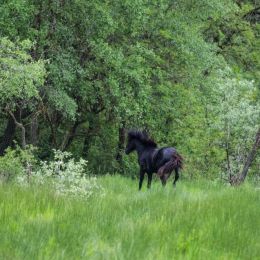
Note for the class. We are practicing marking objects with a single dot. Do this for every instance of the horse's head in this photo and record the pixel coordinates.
(131, 145)
(136, 137)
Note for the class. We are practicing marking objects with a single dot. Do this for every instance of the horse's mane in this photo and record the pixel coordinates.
(142, 136)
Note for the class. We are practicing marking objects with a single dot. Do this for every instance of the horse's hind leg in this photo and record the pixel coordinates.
(163, 180)
(176, 176)
(164, 177)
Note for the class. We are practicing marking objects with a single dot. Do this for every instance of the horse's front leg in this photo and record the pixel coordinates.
(150, 177)
(141, 178)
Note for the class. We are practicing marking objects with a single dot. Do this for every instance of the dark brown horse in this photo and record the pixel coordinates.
(152, 159)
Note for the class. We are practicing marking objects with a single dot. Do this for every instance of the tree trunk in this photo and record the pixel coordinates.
(52, 138)
(87, 140)
(20, 125)
(8, 135)
(228, 161)
(229, 170)
(34, 130)
(120, 145)
(70, 135)
(236, 180)
(250, 158)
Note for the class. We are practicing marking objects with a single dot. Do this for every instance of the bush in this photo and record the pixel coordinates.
(67, 176)
(16, 162)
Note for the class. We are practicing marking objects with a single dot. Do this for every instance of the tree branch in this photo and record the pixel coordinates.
(20, 125)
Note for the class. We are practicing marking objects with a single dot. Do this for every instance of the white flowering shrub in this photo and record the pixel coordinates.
(237, 118)
(67, 176)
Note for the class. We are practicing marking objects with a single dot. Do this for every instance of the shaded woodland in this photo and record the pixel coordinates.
(76, 75)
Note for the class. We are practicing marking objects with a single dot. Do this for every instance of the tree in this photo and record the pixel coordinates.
(250, 158)
(21, 78)
(236, 116)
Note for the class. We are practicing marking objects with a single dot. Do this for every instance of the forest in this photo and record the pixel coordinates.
(76, 76)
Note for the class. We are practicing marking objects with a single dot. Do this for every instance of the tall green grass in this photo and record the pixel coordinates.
(197, 220)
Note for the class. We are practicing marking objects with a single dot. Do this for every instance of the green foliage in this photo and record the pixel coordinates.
(10, 165)
(20, 75)
(15, 162)
(198, 220)
(124, 64)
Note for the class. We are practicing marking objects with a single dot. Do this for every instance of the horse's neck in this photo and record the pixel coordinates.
(140, 148)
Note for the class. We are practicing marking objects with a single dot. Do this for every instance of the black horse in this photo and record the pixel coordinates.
(152, 159)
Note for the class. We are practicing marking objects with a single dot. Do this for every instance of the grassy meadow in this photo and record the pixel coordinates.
(197, 220)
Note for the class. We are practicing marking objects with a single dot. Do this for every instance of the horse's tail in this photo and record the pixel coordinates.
(175, 162)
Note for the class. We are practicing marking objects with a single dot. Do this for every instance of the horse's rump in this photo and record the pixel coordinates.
(175, 162)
